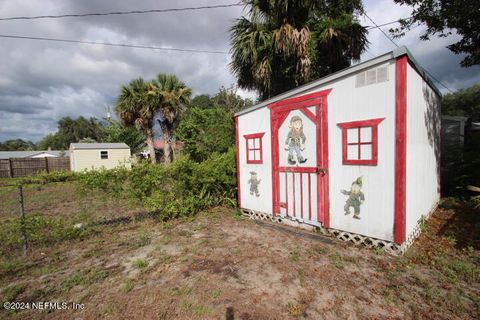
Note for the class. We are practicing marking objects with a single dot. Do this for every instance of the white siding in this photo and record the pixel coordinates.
(347, 103)
(256, 122)
(423, 152)
(89, 159)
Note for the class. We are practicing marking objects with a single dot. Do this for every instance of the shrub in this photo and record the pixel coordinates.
(180, 189)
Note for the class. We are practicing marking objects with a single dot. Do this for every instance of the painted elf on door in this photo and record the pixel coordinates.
(355, 198)
(295, 142)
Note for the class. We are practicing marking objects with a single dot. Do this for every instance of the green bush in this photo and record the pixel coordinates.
(180, 189)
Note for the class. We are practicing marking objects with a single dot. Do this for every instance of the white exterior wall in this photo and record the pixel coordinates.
(89, 159)
(257, 121)
(423, 149)
(345, 103)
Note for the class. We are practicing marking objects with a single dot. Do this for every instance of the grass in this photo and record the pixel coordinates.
(10, 293)
(128, 285)
(139, 263)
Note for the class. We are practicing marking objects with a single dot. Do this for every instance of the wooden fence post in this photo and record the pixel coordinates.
(22, 221)
(46, 164)
(11, 167)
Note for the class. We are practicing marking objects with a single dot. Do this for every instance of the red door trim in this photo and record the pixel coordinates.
(278, 113)
(400, 149)
(237, 155)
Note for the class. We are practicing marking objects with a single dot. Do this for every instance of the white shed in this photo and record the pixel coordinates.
(356, 153)
(91, 156)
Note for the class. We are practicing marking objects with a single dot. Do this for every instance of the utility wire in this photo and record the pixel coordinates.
(125, 45)
(377, 26)
(120, 12)
(430, 74)
(387, 23)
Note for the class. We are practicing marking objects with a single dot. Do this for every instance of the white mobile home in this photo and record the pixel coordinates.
(355, 153)
(91, 156)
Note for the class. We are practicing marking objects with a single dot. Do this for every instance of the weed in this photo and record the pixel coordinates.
(183, 291)
(202, 310)
(378, 251)
(295, 255)
(337, 260)
(216, 293)
(166, 240)
(143, 239)
(72, 282)
(293, 310)
(13, 291)
(128, 285)
(199, 227)
(140, 263)
(452, 240)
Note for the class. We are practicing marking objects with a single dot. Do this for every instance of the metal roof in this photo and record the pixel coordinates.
(344, 73)
(87, 146)
(30, 154)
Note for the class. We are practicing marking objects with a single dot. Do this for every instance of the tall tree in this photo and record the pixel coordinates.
(442, 17)
(465, 102)
(285, 43)
(17, 145)
(72, 130)
(137, 106)
(171, 96)
(114, 131)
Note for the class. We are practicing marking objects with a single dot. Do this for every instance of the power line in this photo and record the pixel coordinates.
(96, 14)
(430, 74)
(377, 26)
(125, 45)
(387, 23)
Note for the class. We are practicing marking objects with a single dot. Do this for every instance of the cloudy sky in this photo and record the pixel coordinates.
(40, 81)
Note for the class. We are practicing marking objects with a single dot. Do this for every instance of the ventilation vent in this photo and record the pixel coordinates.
(371, 77)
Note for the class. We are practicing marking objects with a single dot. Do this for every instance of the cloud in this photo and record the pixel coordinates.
(40, 82)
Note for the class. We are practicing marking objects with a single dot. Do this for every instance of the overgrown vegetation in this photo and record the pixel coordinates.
(40, 230)
(180, 189)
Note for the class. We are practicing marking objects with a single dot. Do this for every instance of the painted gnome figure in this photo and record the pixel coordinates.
(355, 199)
(295, 142)
(254, 182)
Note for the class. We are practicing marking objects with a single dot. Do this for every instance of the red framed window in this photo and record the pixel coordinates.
(360, 142)
(254, 147)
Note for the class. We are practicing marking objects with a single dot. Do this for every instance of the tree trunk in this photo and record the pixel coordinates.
(151, 148)
(167, 145)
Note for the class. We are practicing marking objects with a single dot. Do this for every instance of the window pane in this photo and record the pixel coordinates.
(352, 152)
(257, 143)
(257, 154)
(352, 135)
(250, 143)
(103, 154)
(251, 155)
(366, 152)
(366, 134)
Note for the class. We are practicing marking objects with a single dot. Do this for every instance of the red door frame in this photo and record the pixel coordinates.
(278, 113)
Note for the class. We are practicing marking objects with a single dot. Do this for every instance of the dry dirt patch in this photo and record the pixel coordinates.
(220, 264)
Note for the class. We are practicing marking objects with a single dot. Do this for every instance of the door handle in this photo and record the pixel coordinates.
(322, 171)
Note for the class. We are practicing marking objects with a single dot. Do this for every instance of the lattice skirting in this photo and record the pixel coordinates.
(369, 242)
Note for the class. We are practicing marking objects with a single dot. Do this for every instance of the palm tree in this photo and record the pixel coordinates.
(137, 106)
(172, 95)
(284, 43)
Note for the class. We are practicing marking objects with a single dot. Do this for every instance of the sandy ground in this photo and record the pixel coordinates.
(223, 266)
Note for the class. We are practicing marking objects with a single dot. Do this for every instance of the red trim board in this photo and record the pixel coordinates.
(400, 189)
(279, 111)
(237, 154)
(247, 149)
(371, 123)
